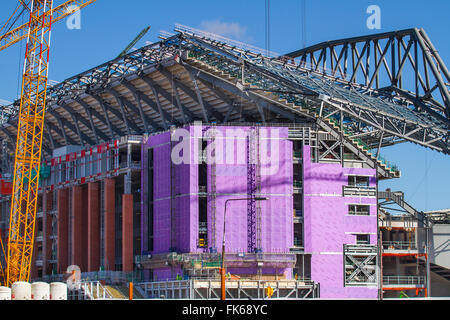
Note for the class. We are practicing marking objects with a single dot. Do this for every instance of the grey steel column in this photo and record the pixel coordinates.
(428, 229)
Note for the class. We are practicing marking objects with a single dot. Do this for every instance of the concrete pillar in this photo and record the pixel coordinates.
(79, 228)
(93, 227)
(127, 233)
(63, 229)
(110, 228)
(48, 232)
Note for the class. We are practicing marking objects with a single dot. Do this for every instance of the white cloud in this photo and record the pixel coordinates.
(226, 29)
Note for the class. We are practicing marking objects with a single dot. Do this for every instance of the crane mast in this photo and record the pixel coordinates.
(29, 142)
(30, 129)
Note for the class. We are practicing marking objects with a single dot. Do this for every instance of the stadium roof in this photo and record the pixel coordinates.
(194, 76)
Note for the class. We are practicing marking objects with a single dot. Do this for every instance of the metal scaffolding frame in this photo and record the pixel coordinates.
(382, 61)
(235, 290)
(188, 77)
(417, 225)
(360, 265)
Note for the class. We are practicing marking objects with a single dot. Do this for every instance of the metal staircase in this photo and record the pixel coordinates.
(398, 198)
(90, 290)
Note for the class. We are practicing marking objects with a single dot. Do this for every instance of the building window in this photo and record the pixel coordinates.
(362, 239)
(298, 205)
(298, 235)
(358, 210)
(202, 222)
(298, 175)
(202, 178)
(357, 181)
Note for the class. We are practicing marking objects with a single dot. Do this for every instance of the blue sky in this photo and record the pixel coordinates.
(107, 26)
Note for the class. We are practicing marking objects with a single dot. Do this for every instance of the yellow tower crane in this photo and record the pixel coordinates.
(30, 129)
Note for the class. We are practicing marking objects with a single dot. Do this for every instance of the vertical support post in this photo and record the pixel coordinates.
(44, 232)
(77, 227)
(130, 294)
(341, 147)
(380, 246)
(93, 227)
(48, 231)
(428, 229)
(127, 233)
(63, 229)
(110, 213)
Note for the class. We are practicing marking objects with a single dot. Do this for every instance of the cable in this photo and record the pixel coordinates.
(268, 27)
(6, 23)
(14, 22)
(425, 176)
(267, 39)
(303, 23)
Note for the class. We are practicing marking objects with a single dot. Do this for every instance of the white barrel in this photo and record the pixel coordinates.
(40, 291)
(5, 293)
(21, 291)
(58, 291)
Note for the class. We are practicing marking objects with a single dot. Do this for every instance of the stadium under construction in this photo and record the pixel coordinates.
(156, 161)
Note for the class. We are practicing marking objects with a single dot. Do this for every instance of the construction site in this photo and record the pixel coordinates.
(200, 167)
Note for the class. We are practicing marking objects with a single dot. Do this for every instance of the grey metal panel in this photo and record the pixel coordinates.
(440, 253)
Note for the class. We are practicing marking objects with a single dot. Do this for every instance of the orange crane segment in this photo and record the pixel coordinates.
(58, 14)
(29, 143)
(30, 131)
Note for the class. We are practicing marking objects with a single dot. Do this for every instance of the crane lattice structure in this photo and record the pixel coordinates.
(30, 130)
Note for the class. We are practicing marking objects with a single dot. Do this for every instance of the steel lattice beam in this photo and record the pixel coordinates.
(385, 56)
(376, 107)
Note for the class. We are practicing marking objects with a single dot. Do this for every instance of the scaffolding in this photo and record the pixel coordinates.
(235, 289)
(404, 236)
(212, 136)
(253, 190)
(360, 263)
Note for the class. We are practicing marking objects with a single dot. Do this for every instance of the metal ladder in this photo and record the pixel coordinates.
(253, 185)
(258, 189)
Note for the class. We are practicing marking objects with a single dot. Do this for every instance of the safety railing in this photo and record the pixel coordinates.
(399, 245)
(94, 290)
(107, 277)
(113, 277)
(131, 165)
(403, 280)
(359, 191)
